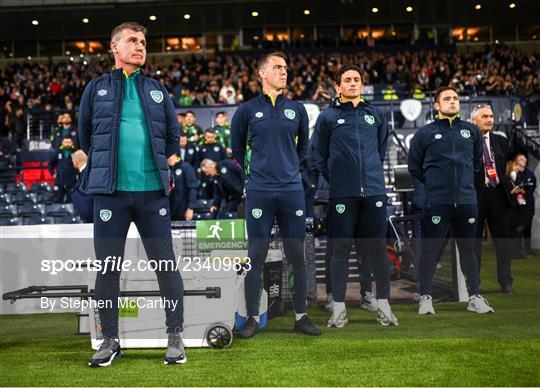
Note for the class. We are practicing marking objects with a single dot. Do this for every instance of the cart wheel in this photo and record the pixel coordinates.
(219, 336)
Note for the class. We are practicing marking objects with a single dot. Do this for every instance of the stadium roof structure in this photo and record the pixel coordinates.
(62, 19)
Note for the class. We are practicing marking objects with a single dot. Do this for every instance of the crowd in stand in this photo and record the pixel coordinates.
(232, 78)
(52, 92)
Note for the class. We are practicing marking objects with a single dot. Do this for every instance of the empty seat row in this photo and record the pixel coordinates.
(14, 221)
(37, 187)
(26, 198)
(58, 209)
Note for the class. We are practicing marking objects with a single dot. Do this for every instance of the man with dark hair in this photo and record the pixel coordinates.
(64, 129)
(194, 131)
(444, 156)
(223, 130)
(61, 168)
(209, 148)
(350, 142)
(189, 152)
(129, 130)
(276, 130)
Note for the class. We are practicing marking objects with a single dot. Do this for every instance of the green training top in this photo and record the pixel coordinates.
(136, 170)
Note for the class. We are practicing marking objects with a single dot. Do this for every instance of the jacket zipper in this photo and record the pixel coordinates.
(454, 163)
(114, 153)
(359, 152)
(142, 98)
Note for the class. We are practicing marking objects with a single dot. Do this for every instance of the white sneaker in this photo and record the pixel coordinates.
(339, 316)
(478, 304)
(384, 313)
(426, 305)
(369, 302)
(329, 304)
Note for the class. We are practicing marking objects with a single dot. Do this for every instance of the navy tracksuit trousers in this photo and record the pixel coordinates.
(261, 209)
(436, 222)
(149, 210)
(364, 220)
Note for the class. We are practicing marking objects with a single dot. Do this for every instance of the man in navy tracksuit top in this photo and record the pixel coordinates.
(444, 156)
(129, 130)
(184, 190)
(276, 130)
(350, 143)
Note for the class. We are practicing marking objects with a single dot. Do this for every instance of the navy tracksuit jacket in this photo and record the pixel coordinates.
(444, 156)
(277, 135)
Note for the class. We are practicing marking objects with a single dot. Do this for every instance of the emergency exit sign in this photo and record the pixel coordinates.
(221, 234)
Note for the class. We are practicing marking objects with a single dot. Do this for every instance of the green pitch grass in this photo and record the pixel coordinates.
(454, 347)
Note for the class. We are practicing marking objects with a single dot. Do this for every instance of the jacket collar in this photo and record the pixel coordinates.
(448, 122)
(267, 99)
(118, 72)
(336, 102)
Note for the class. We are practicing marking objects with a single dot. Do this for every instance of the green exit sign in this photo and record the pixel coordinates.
(221, 234)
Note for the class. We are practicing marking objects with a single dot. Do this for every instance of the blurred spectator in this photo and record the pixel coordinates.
(63, 171)
(193, 131)
(518, 214)
(529, 184)
(232, 78)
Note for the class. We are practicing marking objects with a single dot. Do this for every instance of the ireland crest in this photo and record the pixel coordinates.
(369, 119)
(105, 215)
(289, 113)
(157, 95)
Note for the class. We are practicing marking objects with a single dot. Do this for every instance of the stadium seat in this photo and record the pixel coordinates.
(203, 216)
(38, 220)
(5, 199)
(36, 210)
(67, 220)
(46, 198)
(8, 211)
(41, 187)
(16, 188)
(202, 205)
(60, 210)
(229, 215)
(11, 221)
(24, 198)
(1, 188)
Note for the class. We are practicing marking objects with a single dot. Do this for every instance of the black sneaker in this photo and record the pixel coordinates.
(250, 328)
(107, 352)
(175, 353)
(305, 326)
(507, 289)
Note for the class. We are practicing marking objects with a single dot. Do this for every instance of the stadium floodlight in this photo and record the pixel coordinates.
(409, 9)
(478, 6)
(512, 5)
(254, 14)
(152, 17)
(374, 9)
(307, 12)
(35, 22)
(86, 20)
(187, 16)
